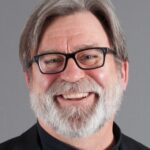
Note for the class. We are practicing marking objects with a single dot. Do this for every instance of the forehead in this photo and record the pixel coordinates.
(73, 31)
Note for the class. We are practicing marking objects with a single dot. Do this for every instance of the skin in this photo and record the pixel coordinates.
(68, 34)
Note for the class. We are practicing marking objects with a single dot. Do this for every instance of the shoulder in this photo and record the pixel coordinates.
(27, 141)
(131, 144)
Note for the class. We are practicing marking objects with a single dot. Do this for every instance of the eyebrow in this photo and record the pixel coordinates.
(47, 51)
(86, 46)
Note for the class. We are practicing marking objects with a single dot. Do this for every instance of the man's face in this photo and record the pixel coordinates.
(76, 101)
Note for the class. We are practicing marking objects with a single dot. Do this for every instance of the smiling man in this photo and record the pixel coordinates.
(76, 66)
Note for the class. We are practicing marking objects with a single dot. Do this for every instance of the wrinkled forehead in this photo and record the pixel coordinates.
(72, 31)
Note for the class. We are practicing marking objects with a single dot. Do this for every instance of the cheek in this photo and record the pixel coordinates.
(100, 76)
(41, 82)
(104, 76)
(46, 82)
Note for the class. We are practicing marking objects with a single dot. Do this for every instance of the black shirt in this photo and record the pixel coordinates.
(48, 142)
(37, 139)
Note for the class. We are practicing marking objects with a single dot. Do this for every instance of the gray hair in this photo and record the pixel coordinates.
(49, 10)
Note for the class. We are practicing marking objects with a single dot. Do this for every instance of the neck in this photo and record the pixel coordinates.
(101, 140)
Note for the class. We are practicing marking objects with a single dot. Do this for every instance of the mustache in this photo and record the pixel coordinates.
(84, 85)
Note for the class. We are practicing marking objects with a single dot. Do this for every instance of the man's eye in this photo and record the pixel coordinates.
(89, 60)
(88, 57)
(51, 61)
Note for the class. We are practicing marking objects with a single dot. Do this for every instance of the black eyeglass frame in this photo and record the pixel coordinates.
(105, 51)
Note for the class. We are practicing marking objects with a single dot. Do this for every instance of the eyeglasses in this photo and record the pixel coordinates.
(86, 59)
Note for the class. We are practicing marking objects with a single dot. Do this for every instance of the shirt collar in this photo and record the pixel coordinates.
(48, 141)
(118, 136)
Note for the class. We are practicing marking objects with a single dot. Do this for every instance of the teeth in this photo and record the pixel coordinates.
(75, 95)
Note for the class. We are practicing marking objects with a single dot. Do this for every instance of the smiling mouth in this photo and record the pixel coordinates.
(76, 97)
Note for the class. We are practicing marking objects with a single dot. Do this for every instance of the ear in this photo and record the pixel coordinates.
(27, 79)
(125, 74)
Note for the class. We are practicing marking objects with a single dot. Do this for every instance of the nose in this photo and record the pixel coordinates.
(72, 72)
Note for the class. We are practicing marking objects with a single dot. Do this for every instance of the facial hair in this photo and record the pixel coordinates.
(77, 121)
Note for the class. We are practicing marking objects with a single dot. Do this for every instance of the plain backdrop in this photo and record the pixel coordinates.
(15, 113)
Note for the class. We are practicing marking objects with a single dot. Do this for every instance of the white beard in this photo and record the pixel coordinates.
(77, 121)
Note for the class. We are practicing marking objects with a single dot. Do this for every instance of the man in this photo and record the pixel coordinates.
(76, 66)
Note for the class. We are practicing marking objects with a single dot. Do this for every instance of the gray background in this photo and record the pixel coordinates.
(15, 113)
